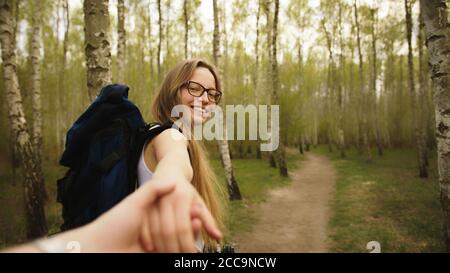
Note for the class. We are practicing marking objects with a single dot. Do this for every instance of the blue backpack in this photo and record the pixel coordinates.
(102, 151)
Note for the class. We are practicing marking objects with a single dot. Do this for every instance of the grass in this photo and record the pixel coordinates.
(385, 201)
(12, 216)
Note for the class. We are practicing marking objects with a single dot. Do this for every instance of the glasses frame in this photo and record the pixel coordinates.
(186, 84)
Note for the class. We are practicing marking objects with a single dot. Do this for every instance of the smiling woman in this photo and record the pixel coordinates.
(199, 98)
(195, 84)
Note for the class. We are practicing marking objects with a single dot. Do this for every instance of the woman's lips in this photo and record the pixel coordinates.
(200, 110)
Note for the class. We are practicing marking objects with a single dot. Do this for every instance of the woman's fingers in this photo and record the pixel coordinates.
(173, 224)
(207, 220)
(196, 227)
(183, 224)
(146, 237)
(168, 224)
(155, 231)
(148, 193)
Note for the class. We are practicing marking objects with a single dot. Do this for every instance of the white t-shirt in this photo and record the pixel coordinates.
(145, 175)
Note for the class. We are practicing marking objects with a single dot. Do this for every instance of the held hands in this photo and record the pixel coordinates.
(177, 218)
(158, 217)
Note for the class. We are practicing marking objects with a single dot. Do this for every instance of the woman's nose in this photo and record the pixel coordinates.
(204, 97)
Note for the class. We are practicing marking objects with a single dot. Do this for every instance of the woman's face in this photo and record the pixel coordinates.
(199, 106)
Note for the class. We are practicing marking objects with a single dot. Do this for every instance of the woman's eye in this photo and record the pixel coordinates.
(195, 88)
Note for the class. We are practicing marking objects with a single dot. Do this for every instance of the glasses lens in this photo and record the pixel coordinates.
(195, 89)
(214, 95)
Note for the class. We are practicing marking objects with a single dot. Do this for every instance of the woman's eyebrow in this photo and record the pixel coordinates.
(211, 87)
(204, 85)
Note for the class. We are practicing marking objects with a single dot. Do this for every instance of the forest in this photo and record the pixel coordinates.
(362, 88)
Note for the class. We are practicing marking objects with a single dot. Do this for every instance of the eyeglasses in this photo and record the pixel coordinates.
(197, 90)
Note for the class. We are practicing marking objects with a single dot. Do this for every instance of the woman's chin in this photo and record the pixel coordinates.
(199, 118)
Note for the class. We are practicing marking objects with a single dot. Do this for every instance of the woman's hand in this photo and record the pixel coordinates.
(177, 217)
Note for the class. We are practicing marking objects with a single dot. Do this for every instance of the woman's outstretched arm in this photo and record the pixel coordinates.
(170, 223)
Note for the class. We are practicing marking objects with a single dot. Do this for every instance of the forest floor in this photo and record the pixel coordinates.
(294, 218)
(383, 200)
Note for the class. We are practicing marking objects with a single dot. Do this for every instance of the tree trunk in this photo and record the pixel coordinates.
(160, 33)
(55, 94)
(64, 117)
(363, 122)
(33, 180)
(279, 153)
(122, 42)
(36, 87)
(12, 143)
(216, 33)
(167, 30)
(151, 52)
(224, 149)
(374, 99)
(435, 16)
(186, 28)
(300, 144)
(97, 45)
(341, 133)
(268, 72)
(256, 71)
(330, 86)
(423, 172)
(423, 90)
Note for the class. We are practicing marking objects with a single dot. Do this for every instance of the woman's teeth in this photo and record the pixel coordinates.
(198, 109)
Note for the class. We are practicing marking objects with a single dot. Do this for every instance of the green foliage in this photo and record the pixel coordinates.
(308, 95)
(385, 201)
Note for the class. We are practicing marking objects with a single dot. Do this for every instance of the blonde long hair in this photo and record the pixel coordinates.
(204, 179)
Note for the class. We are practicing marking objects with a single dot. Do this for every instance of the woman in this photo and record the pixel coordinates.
(174, 157)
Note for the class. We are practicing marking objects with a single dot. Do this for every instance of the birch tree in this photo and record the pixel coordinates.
(279, 153)
(435, 15)
(423, 171)
(36, 79)
(33, 177)
(186, 27)
(160, 40)
(373, 97)
(62, 103)
(362, 121)
(233, 188)
(97, 45)
(121, 45)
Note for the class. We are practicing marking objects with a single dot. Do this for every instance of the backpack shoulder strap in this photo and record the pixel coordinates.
(152, 130)
(144, 135)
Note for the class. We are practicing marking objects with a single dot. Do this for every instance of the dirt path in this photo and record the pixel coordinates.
(294, 218)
